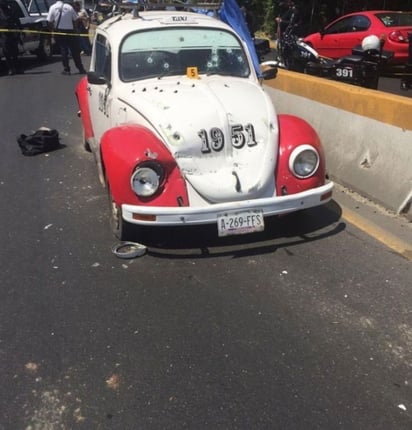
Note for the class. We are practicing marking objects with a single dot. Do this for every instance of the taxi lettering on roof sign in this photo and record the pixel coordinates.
(184, 133)
(176, 19)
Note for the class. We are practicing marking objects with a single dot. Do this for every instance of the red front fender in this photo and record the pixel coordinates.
(122, 149)
(294, 131)
(83, 102)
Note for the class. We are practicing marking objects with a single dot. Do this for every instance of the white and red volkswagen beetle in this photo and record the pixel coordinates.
(184, 133)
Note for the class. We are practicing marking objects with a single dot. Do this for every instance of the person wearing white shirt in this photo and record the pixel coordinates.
(62, 19)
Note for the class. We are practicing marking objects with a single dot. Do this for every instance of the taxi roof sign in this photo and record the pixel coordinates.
(169, 4)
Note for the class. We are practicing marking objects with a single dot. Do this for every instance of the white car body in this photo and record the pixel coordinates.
(214, 118)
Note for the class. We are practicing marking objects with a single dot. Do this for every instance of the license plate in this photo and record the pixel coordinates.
(240, 222)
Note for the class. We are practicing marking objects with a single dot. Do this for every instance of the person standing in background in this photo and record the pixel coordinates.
(83, 26)
(290, 18)
(62, 19)
(10, 40)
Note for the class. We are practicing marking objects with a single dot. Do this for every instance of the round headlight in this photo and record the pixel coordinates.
(146, 179)
(304, 161)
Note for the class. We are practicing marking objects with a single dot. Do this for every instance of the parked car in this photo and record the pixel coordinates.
(35, 40)
(340, 36)
(184, 133)
(39, 7)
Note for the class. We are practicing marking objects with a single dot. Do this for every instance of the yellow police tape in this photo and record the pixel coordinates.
(49, 33)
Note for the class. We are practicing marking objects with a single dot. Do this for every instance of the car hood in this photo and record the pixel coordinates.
(223, 133)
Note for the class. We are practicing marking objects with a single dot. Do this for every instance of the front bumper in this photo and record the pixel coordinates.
(169, 216)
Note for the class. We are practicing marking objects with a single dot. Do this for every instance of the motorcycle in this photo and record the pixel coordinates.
(362, 68)
(293, 52)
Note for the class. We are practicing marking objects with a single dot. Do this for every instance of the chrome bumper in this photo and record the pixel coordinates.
(169, 216)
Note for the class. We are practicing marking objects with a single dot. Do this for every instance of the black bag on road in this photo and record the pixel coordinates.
(42, 140)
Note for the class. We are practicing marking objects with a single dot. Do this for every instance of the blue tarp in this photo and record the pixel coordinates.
(231, 14)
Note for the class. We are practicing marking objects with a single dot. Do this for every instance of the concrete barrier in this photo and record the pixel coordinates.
(367, 134)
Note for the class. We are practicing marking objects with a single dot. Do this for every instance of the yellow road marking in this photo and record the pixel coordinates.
(383, 236)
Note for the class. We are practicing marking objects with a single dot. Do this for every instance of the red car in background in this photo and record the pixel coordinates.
(341, 35)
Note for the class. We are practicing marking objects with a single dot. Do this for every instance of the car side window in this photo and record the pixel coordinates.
(103, 57)
(344, 25)
(360, 23)
(395, 19)
(349, 25)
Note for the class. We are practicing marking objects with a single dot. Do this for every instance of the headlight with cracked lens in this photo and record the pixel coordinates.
(146, 179)
(304, 161)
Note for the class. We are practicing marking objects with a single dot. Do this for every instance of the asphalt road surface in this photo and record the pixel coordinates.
(391, 84)
(305, 326)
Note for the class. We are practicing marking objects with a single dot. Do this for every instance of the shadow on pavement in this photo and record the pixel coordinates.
(280, 232)
(29, 64)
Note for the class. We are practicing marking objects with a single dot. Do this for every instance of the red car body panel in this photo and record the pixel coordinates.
(122, 149)
(330, 43)
(294, 131)
(335, 46)
(82, 99)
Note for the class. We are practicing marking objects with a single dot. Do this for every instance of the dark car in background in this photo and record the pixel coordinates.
(39, 7)
(338, 38)
(34, 37)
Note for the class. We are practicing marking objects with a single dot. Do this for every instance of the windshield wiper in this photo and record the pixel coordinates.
(219, 72)
(169, 73)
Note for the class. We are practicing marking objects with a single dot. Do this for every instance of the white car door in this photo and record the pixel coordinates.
(100, 94)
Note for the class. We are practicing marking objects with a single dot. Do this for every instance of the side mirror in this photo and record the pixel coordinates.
(96, 79)
(270, 73)
(270, 70)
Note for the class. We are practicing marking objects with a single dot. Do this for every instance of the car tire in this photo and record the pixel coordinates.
(120, 228)
(86, 144)
(45, 50)
(47, 47)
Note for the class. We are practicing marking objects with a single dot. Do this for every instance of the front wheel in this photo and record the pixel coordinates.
(45, 50)
(120, 228)
(86, 144)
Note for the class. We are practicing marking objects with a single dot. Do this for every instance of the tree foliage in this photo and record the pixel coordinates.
(264, 13)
